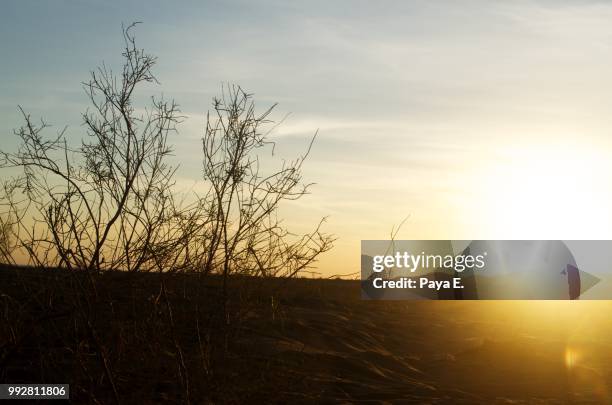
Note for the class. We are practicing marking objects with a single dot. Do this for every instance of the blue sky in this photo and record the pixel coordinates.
(477, 119)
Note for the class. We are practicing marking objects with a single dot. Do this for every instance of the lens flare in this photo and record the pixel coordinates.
(572, 357)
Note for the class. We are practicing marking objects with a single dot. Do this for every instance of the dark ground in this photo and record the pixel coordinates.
(150, 338)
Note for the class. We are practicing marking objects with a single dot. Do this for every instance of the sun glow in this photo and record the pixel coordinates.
(544, 191)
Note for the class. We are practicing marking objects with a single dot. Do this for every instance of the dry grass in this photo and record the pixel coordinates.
(162, 338)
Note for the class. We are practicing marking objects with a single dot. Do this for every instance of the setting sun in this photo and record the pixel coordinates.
(546, 190)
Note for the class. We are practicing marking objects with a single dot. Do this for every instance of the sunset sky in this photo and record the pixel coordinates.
(477, 119)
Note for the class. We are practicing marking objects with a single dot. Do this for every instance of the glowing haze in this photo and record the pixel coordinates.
(477, 119)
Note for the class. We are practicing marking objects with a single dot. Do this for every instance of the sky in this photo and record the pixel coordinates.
(473, 119)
